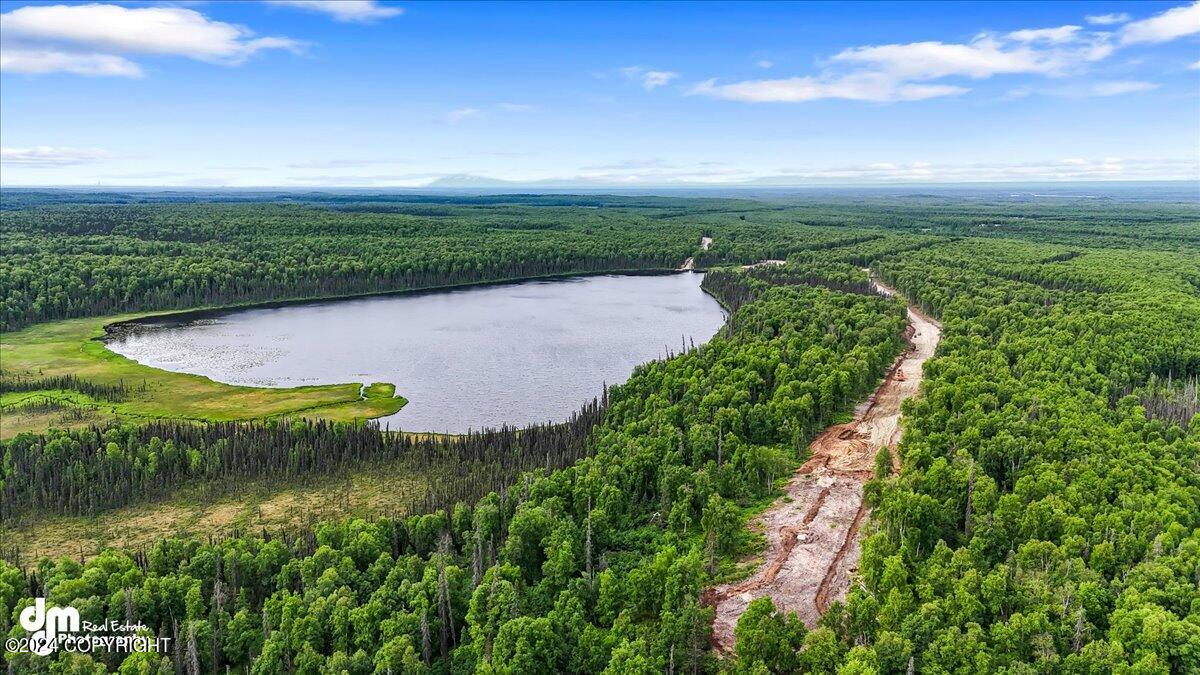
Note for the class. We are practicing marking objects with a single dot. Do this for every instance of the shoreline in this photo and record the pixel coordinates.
(214, 310)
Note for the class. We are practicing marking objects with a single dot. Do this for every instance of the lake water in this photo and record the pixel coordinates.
(465, 359)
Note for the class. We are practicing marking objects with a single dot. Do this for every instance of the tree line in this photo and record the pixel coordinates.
(112, 392)
(73, 261)
(85, 471)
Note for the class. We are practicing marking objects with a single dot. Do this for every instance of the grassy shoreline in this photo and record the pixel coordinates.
(75, 347)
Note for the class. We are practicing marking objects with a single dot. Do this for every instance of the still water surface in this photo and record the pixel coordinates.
(465, 359)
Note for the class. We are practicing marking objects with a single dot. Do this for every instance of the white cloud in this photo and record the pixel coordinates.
(1118, 87)
(91, 39)
(1107, 19)
(456, 116)
(1173, 23)
(348, 11)
(1067, 169)
(650, 79)
(1057, 35)
(1194, 66)
(146, 30)
(651, 172)
(627, 164)
(41, 61)
(657, 78)
(765, 64)
(465, 113)
(864, 86)
(1086, 90)
(143, 175)
(362, 180)
(985, 56)
(341, 163)
(44, 155)
(912, 71)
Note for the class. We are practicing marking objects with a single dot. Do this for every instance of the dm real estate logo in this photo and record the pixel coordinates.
(47, 626)
(60, 628)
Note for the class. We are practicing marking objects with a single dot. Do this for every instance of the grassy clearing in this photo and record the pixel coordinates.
(73, 347)
(381, 390)
(375, 490)
(36, 414)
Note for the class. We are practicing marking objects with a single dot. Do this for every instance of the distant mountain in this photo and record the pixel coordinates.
(467, 180)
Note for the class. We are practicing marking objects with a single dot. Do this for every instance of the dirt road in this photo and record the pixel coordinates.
(764, 263)
(813, 530)
(690, 264)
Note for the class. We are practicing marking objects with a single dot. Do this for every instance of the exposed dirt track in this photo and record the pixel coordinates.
(764, 263)
(690, 264)
(813, 530)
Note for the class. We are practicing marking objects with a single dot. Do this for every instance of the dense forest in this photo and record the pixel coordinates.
(1045, 519)
(91, 260)
(85, 471)
(596, 566)
(155, 251)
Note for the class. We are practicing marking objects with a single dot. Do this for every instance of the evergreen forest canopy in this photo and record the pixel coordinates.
(1046, 517)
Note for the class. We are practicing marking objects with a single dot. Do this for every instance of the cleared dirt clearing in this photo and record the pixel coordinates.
(812, 531)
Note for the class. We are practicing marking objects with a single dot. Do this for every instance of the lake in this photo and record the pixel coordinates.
(467, 358)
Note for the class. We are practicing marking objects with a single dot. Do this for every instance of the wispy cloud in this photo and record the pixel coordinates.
(765, 64)
(864, 86)
(650, 79)
(1118, 87)
(363, 180)
(1058, 35)
(1085, 89)
(42, 61)
(914, 71)
(143, 175)
(348, 11)
(486, 110)
(95, 39)
(624, 164)
(456, 116)
(657, 78)
(341, 163)
(877, 173)
(1174, 23)
(985, 56)
(1107, 19)
(45, 155)
(906, 72)
(1065, 169)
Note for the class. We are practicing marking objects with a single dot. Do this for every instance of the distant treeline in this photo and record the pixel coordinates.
(70, 254)
(73, 261)
(104, 392)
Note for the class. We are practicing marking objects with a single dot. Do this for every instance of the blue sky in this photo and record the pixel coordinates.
(377, 94)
